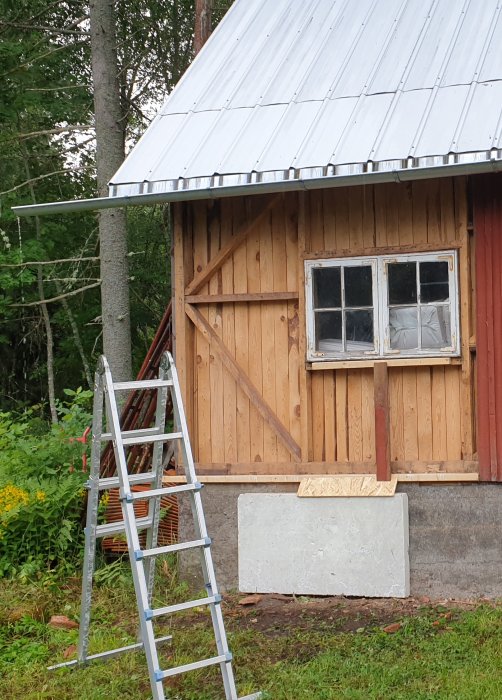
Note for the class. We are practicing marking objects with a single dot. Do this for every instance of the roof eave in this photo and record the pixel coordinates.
(218, 192)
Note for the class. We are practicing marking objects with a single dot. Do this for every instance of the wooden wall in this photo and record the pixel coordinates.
(253, 405)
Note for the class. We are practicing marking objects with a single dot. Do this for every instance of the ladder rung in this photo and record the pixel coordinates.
(111, 482)
(168, 549)
(142, 384)
(169, 609)
(118, 527)
(163, 437)
(109, 654)
(165, 491)
(133, 433)
(160, 675)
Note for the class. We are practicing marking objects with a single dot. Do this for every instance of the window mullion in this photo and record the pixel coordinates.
(376, 307)
(342, 280)
(419, 307)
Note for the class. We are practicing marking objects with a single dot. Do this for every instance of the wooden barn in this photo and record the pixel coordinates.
(337, 255)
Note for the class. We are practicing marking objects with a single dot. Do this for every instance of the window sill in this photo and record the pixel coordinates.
(391, 362)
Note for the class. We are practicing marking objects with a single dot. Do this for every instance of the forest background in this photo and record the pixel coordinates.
(50, 313)
(79, 83)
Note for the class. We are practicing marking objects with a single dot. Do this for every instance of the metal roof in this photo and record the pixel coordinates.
(289, 90)
(304, 94)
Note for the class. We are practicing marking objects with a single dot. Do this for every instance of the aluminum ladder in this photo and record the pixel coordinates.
(143, 560)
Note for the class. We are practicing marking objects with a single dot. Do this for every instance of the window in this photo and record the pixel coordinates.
(404, 305)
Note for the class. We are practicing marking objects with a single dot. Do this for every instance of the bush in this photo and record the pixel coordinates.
(41, 488)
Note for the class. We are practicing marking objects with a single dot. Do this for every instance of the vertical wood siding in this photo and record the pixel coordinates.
(487, 210)
(425, 402)
(262, 337)
(328, 413)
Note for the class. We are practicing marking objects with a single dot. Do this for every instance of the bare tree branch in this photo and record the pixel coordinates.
(29, 63)
(78, 22)
(134, 106)
(42, 177)
(61, 87)
(57, 280)
(76, 336)
(60, 296)
(57, 3)
(48, 262)
(47, 132)
(42, 303)
(40, 28)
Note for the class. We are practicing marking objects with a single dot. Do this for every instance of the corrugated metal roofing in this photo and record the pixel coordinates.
(297, 89)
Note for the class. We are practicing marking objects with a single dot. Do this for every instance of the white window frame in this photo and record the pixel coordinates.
(381, 325)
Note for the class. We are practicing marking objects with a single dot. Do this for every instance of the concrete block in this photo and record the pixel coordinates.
(220, 508)
(323, 546)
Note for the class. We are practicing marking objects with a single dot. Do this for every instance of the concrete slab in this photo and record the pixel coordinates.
(328, 546)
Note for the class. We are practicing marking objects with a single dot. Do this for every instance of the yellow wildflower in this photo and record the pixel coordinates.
(12, 496)
(105, 499)
(40, 496)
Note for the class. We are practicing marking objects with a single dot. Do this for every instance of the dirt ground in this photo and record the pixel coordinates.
(275, 614)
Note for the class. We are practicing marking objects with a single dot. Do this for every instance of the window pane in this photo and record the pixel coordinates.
(402, 283)
(358, 286)
(359, 330)
(436, 327)
(328, 327)
(403, 325)
(434, 281)
(327, 288)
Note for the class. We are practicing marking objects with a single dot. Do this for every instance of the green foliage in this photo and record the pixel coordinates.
(16, 645)
(47, 154)
(41, 488)
(114, 575)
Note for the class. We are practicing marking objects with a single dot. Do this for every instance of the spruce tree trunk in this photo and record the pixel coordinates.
(110, 150)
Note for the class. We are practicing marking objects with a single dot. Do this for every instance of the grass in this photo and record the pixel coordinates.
(434, 655)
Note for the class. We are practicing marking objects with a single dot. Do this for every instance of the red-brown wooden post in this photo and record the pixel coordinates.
(487, 219)
(382, 429)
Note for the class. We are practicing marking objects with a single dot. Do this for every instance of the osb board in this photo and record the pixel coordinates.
(345, 486)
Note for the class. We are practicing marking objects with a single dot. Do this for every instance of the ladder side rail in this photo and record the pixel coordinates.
(179, 419)
(200, 533)
(220, 634)
(133, 545)
(91, 518)
(191, 477)
(154, 505)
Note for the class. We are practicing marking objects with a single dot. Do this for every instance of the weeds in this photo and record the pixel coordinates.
(41, 489)
(437, 654)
